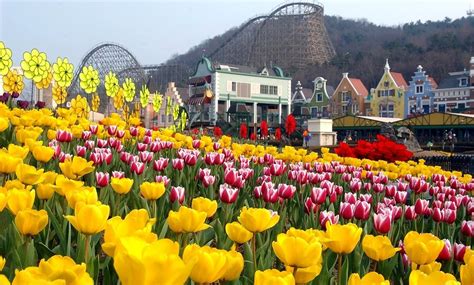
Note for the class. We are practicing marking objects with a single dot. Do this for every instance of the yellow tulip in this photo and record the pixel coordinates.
(428, 268)
(4, 124)
(28, 174)
(121, 185)
(136, 223)
(258, 219)
(152, 190)
(234, 265)
(15, 184)
(76, 168)
(89, 219)
(43, 153)
(467, 270)
(305, 275)
(31, 144)
(23, 134)
(86, 195)
(65, 185)
(187, 220)
(9, 163)
(138, 262)
(422, 248)
(2, 263)
(418, 277)
(297, 252)
(371, 278)
(273, 277)
(50, 177)
(30, 222)
(18, 200)
(3, 198)
(56, 270)
(237, 233)
(342, 239)
(45, 191)
(210, 263)
(378, 248)
(18, 151)
(4, 280)
(204, 205)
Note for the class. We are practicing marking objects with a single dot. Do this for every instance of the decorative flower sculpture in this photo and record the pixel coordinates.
(35, 65)
(118, 99)
(13, 82)
(89, 79)
(175, 112)
(80, 107)
(5, 59)
(63, 72)
(157, 101)
(59, 94)
(95, 102)
(44, 83)
(144, 96)
(128, 89)
(126, 110)
(111, 84)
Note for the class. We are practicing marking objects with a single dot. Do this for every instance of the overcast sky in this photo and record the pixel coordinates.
(153, 30)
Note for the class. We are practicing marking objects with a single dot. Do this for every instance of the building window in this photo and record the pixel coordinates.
(461, 106)
(419, 89)
(442, 108)
(269, 89)
(345, 97)
(163, 119)
(355, 109)
(314, 112)
(319, 97)
(344, 110)
(386, 111)
(386, 84)
(386, 93)
(234, 86)
(463, 82)
(170, 118)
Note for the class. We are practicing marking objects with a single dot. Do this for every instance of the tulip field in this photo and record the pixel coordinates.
(116, 203)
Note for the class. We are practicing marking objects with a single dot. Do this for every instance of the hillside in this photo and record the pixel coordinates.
(362, 47)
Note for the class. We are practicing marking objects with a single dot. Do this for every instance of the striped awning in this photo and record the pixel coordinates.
(197, 100)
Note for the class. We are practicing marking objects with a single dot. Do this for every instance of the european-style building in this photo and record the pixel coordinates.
(419, 98)
(456, 92)
(264, 93)
(388, 98)
(349, 97)
(318, 104)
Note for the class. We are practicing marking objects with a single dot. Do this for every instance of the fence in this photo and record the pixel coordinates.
(464, 163)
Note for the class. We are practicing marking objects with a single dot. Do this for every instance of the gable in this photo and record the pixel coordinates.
(203, 68)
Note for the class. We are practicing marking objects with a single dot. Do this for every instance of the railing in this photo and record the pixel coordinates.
(464, 163)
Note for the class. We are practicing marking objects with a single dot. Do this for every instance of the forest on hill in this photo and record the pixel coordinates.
(362, 47)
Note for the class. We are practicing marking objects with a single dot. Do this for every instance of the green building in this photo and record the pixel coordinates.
(318, 104)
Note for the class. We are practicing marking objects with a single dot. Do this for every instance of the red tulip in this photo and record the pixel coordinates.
(133, 131)
(269, 193)
(118, 174)
(346, 210)
(190, 159)
(96, 158)
(362, 210)
(459, 250)
(327, 216)
(102, 178)
(286, 191)
(101, 143)
(378, 187)
(230, 176)
(401, 186)
(89, 144)
(228, 194)
(141, 146)
(309, 206)
(137, 167)
(366, 197)
(355, 185)
(86, 135)
(162, 178)
(208, 180)
(382, 222)
(93, 129)
(450, 216)
(81, 151)
(111, 130)
(467, 228)
(438, 215)
(318, 195)
(160, 164)
(401, 197)
(177, 194)
(277, 169)
(217, 132)
(410, 213)
(178, 163)
(120, 134)
(447, 252)
(63, 136)
(257, 192)
(155, 146)
(421, 206)
(145, 156)
(390, 190)
(243, 131)
(196, 144)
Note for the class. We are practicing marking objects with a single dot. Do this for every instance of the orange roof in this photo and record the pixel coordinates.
(433, 82)
(398, 77)
(359, 86)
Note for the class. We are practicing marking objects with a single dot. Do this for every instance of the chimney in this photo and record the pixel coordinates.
(345, 75)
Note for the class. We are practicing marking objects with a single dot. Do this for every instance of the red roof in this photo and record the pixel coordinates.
(359, 86)
(433, 82)
(398, 77)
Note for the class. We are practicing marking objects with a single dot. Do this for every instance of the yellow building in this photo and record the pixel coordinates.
(388, 98)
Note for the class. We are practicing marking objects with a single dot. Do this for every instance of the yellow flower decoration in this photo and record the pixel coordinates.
(44, 83)
(5, 59)
(13, 82)
(144, 96)
(125, 111)
(35, 65)
(59, 94)
(157, 101)
(63, 72)
(89, 79)
(118, 99)
(95, 102)
(182, 122)
(175, 112)
(111, 84)
(80, 107)
(128, 89)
